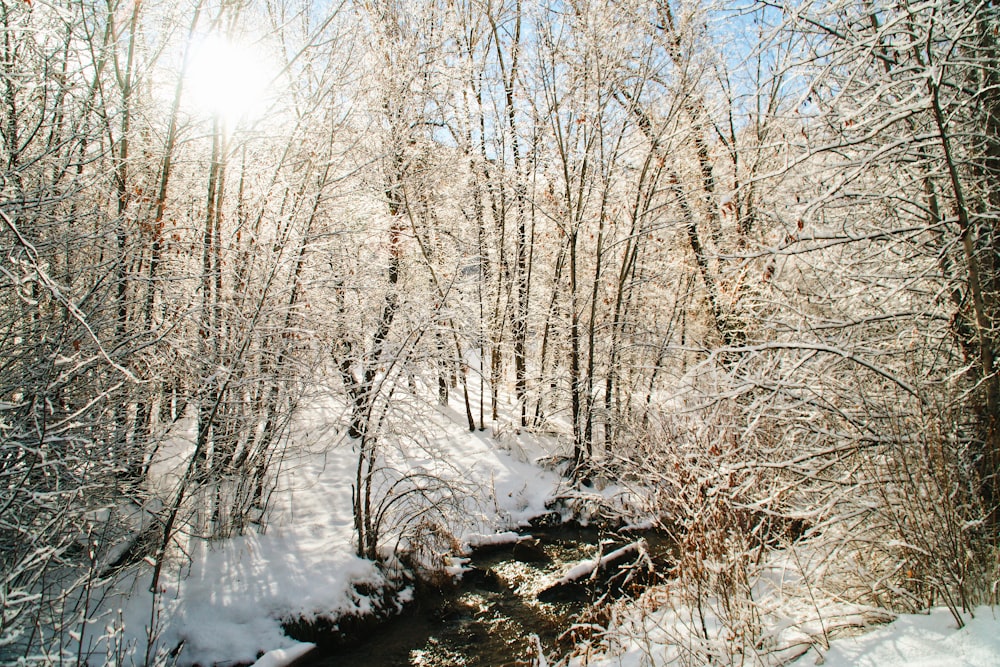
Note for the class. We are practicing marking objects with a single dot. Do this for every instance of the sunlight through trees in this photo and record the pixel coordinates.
(739, 257)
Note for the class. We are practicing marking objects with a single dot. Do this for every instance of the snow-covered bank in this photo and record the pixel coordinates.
(777, 615)
(910, 640)
(919, 640)
(223, 602)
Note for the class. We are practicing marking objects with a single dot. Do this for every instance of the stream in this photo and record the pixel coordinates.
(491, 617)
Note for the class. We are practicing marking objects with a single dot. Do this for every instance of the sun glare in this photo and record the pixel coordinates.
(228, 79)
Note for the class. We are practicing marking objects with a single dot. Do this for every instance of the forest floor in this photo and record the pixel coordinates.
(224, 601)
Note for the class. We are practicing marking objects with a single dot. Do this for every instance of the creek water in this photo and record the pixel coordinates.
(492, 616)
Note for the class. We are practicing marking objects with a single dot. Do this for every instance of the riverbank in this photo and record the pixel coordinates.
(230, 601)
(225, 602)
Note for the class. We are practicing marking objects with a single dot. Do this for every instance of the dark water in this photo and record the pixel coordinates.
(492, 617)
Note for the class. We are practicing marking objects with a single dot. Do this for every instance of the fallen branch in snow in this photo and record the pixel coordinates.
(795, 649)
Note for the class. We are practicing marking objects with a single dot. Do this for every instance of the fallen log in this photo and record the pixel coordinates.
(601, 572)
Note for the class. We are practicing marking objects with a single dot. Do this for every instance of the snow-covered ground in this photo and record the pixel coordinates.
(919, 640)
(911, 640)
(223, 602)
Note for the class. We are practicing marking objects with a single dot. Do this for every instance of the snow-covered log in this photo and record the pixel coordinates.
(597, 572)
(298, 654)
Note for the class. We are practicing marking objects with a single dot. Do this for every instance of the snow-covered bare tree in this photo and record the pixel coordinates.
(857, 408)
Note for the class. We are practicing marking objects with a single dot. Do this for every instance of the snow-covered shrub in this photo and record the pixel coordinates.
(790, 528)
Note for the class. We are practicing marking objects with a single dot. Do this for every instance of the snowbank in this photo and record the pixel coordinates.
(916, 640)
(912, 640)
(225, 601)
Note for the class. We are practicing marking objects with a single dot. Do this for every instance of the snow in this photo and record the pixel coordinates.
(911, 640)
(789, 624)
(539, 652)
(496, 539)
(223, 601)
(283, 657)
(920, 640)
